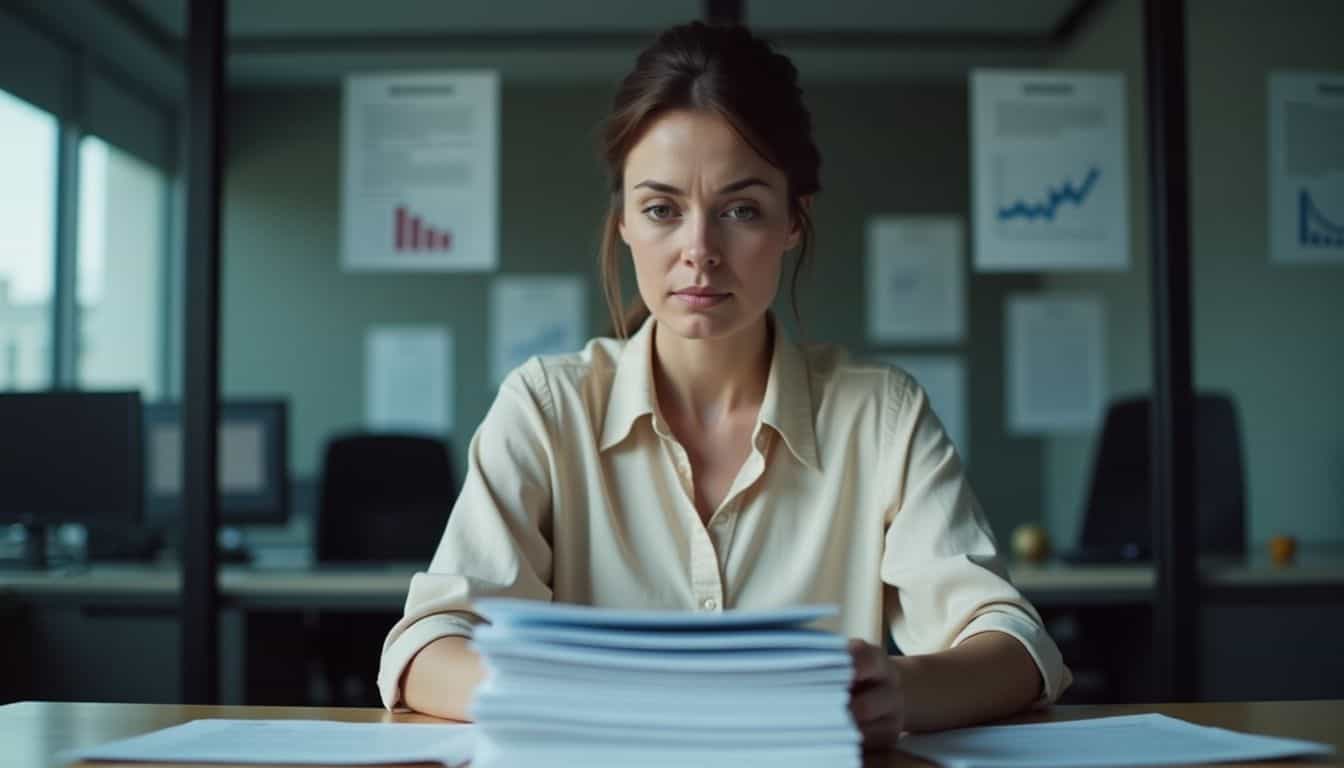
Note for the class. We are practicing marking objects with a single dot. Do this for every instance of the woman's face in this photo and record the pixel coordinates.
(707, 221)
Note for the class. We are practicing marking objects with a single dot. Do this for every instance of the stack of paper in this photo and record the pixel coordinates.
(570, 685)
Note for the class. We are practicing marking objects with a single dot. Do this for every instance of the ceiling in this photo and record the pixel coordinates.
(295, 41)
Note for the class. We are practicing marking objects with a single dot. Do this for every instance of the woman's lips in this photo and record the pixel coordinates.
(701, 300)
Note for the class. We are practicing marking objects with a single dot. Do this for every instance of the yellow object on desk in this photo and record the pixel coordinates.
(1031, 543)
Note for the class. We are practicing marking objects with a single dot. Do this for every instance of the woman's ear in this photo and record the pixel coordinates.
(796, 231)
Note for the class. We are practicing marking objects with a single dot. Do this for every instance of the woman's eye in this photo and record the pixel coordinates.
(658, 212)
(742, 213)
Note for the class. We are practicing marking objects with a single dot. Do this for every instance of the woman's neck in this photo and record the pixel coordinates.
(705, 381)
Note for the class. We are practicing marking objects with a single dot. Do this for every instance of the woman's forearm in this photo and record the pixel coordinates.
(441, 678)
(987, 676)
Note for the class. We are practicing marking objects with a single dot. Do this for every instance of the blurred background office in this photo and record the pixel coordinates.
(349, 390)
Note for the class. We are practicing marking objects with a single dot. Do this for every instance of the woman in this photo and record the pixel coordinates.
(702, 461)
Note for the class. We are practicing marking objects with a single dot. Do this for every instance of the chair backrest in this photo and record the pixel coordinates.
(383, 497)
(1118, 517)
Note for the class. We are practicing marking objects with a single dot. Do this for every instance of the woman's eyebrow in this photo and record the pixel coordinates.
(668, 189)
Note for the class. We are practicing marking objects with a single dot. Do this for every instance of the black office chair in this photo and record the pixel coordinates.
(383, 498)
(1099, 641)
(1117, 523)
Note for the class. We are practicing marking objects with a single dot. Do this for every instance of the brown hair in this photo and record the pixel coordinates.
(723, 69)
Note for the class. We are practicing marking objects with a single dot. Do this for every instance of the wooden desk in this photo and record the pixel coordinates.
(33, 733)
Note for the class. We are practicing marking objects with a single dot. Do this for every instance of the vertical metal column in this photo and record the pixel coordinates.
(64, 301)
(1175, 549)
(204, 116)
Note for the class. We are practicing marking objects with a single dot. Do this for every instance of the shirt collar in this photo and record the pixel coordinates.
(786, 406)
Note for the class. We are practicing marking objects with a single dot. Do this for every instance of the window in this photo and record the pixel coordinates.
(120, 270)
(27, 243)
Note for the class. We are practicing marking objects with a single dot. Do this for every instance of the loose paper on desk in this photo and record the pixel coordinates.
(916, 279)
(295, 742)
(535, 315)
(1133, 740)
(420, 182)
(1049, 171)
(943, 378)
(1056, 363)
(1306, 167)
(409, 379)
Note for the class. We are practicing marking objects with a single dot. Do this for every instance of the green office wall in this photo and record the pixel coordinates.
(1270, 335)
(293, 323)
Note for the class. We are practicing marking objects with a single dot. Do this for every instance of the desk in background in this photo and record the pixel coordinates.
(85, 626)
(35, 732)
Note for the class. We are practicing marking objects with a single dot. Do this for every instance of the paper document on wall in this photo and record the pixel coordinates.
(1049, 161)
(295, 742)
(420, 181)
(1306, 167)
(409, 379)
(916, 279)
(1133, 740)
(1056, 349)
(535, 315)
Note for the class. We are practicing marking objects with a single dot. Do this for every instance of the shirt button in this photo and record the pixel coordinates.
(710, 604)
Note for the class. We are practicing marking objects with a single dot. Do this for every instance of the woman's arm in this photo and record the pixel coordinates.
(988, 676)
(441, 678)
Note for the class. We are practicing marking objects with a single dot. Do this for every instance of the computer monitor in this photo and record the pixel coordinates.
(253, 463)
(69, 457)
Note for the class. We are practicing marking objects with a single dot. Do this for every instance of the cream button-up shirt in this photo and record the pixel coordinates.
(577, 491)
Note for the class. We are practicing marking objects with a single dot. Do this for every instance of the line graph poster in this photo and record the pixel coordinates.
(1306, 167)
(1049, 171)
(420, 172)
(535, 315)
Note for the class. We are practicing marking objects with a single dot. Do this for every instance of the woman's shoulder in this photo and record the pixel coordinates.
(836, 372)
(547, 377)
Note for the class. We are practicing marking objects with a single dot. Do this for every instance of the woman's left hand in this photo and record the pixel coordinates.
(876, 696)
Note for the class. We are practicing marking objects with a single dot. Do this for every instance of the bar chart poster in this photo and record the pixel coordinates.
(535, 315)
(1306, 167)
(1049, 180)
(421, 172)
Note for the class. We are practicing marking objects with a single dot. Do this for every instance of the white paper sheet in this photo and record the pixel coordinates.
(1306, 167)
(916, 279)
(1049, 171)
(1134, 740)
(535, 315)
(302, 742)
(1056, 349)
(421, 172)
(409, 379)
(943, 378)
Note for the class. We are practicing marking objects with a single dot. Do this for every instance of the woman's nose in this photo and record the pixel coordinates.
(701, 250)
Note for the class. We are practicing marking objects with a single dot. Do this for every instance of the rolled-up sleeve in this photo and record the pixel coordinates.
(497, 540)
(944, 579)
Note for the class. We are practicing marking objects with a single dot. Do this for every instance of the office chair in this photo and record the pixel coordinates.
(1117, 527)
(382, 498)
(1117, 523)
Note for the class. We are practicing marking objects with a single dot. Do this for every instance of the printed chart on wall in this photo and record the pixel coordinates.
(535, 315)
(1049, 161)
(1056, 363)
(1306, 167)
(408, 379)
(421, 172)
(916, 279)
